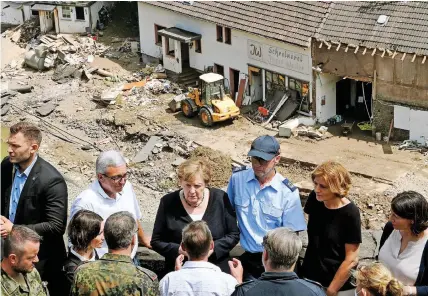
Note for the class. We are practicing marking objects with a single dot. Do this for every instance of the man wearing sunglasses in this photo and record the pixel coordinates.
(263, 200)
(110, 193)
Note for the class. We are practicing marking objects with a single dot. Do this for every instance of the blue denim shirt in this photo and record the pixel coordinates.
(259, 210)
(17, 186)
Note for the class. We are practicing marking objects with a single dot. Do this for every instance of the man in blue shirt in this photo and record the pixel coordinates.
(263, 200)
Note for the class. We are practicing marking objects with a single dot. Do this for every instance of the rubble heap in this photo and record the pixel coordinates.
(219, 163)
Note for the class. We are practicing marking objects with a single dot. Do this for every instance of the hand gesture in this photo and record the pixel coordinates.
(179, 262)
(236, 269)
(5, 226)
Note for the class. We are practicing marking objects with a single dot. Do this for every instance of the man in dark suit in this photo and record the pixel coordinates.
(34, 194)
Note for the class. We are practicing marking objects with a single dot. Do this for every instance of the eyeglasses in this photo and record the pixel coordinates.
(118, 178)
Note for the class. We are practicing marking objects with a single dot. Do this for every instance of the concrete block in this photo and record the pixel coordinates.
(144, 153)
(284, 131)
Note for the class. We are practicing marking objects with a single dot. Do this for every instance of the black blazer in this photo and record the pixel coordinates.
(69, 268)
(42, 207)
(171, 218)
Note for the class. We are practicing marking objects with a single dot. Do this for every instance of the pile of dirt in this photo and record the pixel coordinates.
(220, 164)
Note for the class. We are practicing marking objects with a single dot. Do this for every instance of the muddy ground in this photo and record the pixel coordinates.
(79, 127)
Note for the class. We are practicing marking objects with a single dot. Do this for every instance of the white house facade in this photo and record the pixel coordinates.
(234, 53)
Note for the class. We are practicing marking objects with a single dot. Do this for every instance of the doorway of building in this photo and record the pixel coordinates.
(255, 82)
(234, 82)
(185, 60)
(354, 100)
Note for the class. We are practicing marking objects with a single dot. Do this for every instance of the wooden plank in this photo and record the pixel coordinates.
(390, 129)
(241, 92)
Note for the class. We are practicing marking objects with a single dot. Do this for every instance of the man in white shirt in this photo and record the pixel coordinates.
(197, 276)
(111, 193)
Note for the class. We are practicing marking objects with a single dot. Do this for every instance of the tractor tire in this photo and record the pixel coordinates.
(206, 117)
(186, 107)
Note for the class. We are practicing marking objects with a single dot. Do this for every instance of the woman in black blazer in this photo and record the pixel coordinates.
(195, 201)
(85, 232)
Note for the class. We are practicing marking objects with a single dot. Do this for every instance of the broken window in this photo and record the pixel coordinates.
(198, 47)
(227, 36)
(219, 33)
(80, 13)
(66, 12)
(158, 38)
(219, 69)
(35, 12)
(169, 47)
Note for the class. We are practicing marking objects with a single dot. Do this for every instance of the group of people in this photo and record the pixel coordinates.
(195, 229)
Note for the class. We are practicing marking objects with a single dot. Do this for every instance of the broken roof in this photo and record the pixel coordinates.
(406, 29)
(292, 22)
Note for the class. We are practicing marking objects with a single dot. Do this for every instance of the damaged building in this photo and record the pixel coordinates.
(353, 61)
(370, 63)
(56, 16)
(265, 46)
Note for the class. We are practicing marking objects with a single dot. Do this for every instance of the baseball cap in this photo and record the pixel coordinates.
(265, 147)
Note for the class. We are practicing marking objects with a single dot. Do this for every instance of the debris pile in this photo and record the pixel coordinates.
(23, 33)
(219, 163)
(413, 146)
(312, 132)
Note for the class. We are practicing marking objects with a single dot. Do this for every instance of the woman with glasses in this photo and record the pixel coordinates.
(334, 230)
(85, 233)
(404, 243)
(375, 279)
(193, 202)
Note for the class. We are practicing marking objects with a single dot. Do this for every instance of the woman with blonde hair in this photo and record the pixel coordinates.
(375, 279)
(334, 230)
(193, 202)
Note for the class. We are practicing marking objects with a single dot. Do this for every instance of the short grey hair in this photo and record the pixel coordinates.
(119, 229)
(15, 241)
(111, 158)
(283, 247)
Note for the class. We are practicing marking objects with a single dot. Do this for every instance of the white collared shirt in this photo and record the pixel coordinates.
(81, 258)
(96, 200)
(197, 278)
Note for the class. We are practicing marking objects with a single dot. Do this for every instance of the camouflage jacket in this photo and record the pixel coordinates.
(35, 286)
(114, 275)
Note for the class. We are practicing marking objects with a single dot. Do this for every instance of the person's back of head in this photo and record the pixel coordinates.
(197, 240)
(375, 279)
(119, 231)
(281, 249)
(20, 249)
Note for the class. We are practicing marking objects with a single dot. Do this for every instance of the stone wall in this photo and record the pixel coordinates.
(383, 114)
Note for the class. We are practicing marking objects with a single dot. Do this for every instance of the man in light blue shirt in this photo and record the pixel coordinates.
(263, 200)
(17, 186)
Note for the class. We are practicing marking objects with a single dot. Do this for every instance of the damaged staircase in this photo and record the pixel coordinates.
(188, 77)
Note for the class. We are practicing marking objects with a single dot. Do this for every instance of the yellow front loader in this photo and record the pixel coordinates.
(210, 101)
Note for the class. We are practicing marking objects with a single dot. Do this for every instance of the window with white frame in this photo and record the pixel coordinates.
(66, 12)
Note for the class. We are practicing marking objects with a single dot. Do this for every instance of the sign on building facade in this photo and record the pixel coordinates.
(278, 57)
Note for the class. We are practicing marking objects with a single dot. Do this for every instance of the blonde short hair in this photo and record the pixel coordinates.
(336, 176)
(378, 280)
(188, 170)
